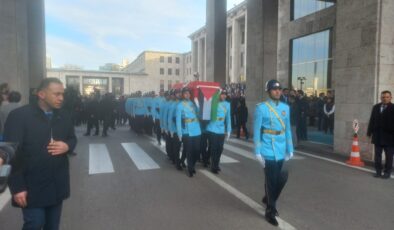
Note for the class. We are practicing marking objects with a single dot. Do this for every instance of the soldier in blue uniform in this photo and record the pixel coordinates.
(217, 129)
(164, 119)
(173, 140)
(157, 101)
(273, 145)
(188, 129)
(139, 110)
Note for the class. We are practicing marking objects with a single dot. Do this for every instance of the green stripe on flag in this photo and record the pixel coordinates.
(214, 106)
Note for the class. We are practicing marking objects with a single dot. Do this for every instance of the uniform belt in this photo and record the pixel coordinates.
(189, 120)
(220, 118)
(272, 132)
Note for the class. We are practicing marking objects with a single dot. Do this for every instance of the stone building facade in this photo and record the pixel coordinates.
(236, 43)
(358, 65)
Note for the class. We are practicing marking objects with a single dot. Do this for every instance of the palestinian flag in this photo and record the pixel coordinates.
(207, 101)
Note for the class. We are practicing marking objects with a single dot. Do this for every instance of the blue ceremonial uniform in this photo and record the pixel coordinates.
(171, 117)
(223, 121)
(217, 129)
(273, 141)
(139, 107)
(188, 127)
(187, 122)
(163, 115)
(271, 145)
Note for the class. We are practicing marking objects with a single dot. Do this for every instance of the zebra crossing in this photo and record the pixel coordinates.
(100, 158)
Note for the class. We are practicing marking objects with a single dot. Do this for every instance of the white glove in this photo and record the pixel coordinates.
(180, 138)
(289, 156)
(261, 160)
(228, 136)
(171, 134)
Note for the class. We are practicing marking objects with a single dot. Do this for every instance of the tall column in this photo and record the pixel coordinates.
(216, 41)
(235, 50)
(261, 48)
(36, 41)
(200, 60)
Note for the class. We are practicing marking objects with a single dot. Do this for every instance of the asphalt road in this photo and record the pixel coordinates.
(140, 189)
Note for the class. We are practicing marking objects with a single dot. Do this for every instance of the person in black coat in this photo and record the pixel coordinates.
(302, 114)
(242, 118)
(381, 129)
(92, 112)
(39, 180)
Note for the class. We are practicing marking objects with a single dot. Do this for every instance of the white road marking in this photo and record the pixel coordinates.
(223, 159)
(99, 159)
(239, 151)
(4, 198)
(140, 158)
(245, 199)
(337, 162)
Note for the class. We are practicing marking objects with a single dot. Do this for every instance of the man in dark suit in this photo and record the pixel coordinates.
(381, 129)
(302, 110)
(40, 178)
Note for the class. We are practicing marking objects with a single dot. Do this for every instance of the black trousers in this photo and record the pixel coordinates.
(275, 181)
(243, 126)
(191, 146)
(92, 121)
(205, 150)
(139, 123)
(148, 125)
(216, 142)
(388, 151)
(168, 143)
(107, 122)
(158, 130)
(175, 148)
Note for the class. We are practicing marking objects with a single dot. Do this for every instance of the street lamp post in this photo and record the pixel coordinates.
(302, 81)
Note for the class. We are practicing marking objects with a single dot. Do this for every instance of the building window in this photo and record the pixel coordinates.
(93, 85)
(73, 82)
(169, 59)
(311, 63)
(242, 59)
(161, 85)
(161, 71)
(169, 84)
(161, 59)
(177, 72)
(243, 37)
(169, 71)
(117, 86)
(301, 8)
(177, 60)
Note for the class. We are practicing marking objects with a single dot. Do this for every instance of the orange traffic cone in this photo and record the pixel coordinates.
(355, 159)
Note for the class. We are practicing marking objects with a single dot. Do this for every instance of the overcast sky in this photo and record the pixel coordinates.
(90, 33)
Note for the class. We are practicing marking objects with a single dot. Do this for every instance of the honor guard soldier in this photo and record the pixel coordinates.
(164, 119)
(157, 101)
(174, 142)
(139, 110)
(188, 129)
(273, 145)
(217, 127)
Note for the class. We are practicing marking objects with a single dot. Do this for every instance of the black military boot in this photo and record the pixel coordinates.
(270, 217)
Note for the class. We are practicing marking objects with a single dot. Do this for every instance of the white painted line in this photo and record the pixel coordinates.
(99, 159)
(336, 162)
(227, 160)
(140, 158)
(318, 143)
(245, 199)
(243, 143)
(4, 198)
(239, 151)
